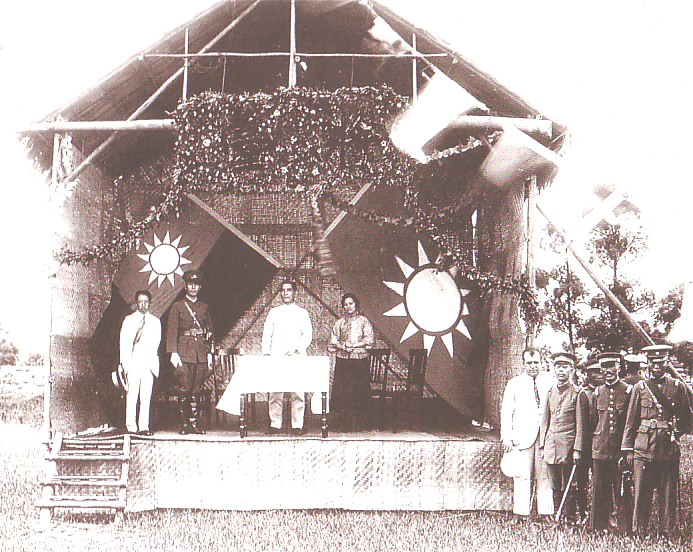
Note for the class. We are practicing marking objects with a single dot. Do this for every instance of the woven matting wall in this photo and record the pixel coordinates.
(371, 474)
(79, 297)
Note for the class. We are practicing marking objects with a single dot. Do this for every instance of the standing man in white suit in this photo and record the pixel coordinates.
(287, 332)
(521, 410)
(140, 336)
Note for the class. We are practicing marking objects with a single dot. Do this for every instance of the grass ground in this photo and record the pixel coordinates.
(329, 530)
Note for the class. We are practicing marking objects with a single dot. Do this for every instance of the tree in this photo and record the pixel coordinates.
(562, 307)
(8, 351)
(614, 246)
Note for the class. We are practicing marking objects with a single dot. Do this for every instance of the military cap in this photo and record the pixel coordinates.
(635, 358)
(192, 276)
(657, 353)
(605, 358)
(592, 366)
(563, 357)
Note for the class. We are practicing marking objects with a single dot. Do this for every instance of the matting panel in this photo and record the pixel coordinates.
(356, 474)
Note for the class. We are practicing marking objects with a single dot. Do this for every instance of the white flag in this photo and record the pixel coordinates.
(439, 103)
(514, 157)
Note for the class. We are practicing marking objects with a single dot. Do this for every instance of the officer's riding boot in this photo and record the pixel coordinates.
(195, 416)
(184, 410)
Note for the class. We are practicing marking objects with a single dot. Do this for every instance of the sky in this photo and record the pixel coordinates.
(616, 73)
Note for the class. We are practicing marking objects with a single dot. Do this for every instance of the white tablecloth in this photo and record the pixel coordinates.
(265, 374)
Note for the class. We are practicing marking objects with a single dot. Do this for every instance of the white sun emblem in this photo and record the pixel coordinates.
(432, 302)
(164, 259)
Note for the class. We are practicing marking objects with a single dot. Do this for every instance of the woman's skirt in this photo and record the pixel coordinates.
(350, 401)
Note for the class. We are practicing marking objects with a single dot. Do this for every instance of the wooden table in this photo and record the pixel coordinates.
(268, 374)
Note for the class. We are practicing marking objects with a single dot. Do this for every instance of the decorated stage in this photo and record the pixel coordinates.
(407, 470)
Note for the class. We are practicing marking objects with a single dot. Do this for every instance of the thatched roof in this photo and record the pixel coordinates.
(339, 26)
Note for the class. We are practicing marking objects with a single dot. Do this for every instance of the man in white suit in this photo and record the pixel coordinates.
(521, 411)
(140, 336)
(287, 332)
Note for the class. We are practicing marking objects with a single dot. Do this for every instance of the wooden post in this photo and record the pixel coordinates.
(292, 46)
(142, 108)
(531, 262)
(186, 64)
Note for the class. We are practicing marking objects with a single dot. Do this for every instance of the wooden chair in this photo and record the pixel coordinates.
(416, 380)
(379, 363)
(223, 368)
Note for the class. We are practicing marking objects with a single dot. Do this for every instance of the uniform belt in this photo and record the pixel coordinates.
(193, 333)
(654, 424)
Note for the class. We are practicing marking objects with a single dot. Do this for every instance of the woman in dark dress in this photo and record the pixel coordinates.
(352, 336)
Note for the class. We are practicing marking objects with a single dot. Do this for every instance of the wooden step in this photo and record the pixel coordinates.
(79, 502)
(85, 481)
(105, 457)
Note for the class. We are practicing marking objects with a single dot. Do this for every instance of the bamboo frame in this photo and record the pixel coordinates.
(416, 55)
(292, 46)
(541, 127)
(149, 101)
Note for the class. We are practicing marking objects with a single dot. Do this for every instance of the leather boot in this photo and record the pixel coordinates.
(195, 416)
(184, 410)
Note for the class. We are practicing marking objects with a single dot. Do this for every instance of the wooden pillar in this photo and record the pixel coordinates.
(501, 227)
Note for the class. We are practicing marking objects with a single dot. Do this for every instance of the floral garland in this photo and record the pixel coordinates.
(451, 254)
(307, 141)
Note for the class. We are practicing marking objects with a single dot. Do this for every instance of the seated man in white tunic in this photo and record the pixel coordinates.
(140, 336)
(287, 332)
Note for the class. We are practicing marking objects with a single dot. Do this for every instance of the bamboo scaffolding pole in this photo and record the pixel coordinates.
(147, 103)
(292, 46)
(186, 65)
(97, 126)
(417, 55)
(532, 126)
(414, 79)
(531, 239)
(610, 295)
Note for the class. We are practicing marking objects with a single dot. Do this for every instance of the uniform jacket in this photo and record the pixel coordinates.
(608, 409)
(520, 414)
(559, 424)
(584, 421)
(189, 348)
(647, 431)
(146, 353)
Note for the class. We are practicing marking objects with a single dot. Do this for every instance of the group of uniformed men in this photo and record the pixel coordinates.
(624, 432)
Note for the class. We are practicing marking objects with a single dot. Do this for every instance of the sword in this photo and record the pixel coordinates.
(565, 493)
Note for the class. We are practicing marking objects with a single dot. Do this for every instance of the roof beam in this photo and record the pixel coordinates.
(149, 101)
(299, 54)
(541, 127)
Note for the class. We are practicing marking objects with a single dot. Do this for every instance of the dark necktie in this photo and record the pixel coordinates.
(138, 335)
(536, 391)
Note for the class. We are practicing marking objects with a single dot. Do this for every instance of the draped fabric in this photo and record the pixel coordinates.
(198, 233)
(410, 304)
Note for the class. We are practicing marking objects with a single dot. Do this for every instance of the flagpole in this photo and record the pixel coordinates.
(615, 300)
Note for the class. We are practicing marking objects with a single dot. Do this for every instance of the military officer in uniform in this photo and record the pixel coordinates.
(657, 413)
(557, 437)
(188, 339)
(632, 373)
(583, 437)
(608, 410)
